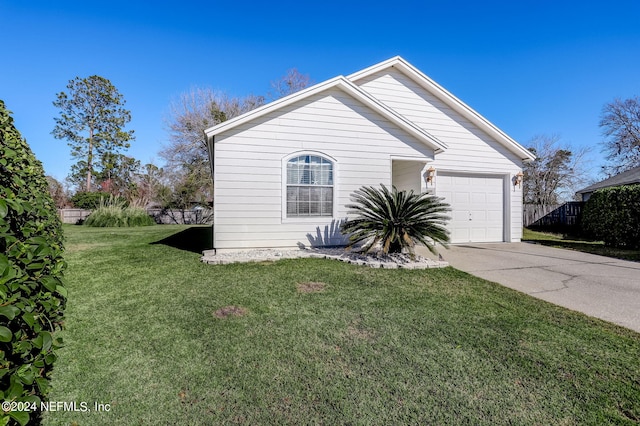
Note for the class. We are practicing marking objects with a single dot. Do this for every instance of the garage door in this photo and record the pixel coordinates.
(477, 206)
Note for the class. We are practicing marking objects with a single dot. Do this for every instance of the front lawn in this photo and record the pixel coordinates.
(164, 339)
(573, 243)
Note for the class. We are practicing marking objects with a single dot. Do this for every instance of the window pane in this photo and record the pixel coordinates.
(293, 176)
(321, 175)
(309, 170)
(327, 195)
(303, 193)
(292, 193)
(309, 201)
(314, 209)
(316, 194)
(305, 178)
(292, 201)
(327, 201)
(309, 186)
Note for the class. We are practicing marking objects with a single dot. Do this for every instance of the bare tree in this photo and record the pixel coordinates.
(293, 81)
(149, 186)
(186, 154)
(193, 112)
(620, 122)
(58, 192)
(556, 173)
(187, 164)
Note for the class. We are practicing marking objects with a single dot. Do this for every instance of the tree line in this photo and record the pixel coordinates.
(92, 119)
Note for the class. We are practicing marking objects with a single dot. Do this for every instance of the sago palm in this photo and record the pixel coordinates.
(396, 220)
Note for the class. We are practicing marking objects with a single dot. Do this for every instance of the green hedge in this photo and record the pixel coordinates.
(613, 216)
(89, 200)
(32, 294)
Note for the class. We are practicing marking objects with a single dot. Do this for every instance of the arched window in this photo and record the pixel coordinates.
(309, 186)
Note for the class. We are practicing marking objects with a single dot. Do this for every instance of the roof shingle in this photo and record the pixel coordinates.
(629, 177)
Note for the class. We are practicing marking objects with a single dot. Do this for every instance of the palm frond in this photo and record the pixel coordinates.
(396, 219)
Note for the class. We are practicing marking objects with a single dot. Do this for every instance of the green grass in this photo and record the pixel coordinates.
(574, 243)
(373, 347)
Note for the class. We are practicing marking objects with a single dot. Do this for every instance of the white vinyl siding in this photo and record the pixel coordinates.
(407, 175)
(250, 179)
(469, 150)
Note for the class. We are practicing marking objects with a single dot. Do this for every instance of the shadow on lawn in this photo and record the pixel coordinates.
(593, 247)
(195, 239)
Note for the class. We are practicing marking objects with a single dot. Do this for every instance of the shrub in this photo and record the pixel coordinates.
(613, 216)
(32, 294)
(113, 212)
(90, 200)
(396, 220)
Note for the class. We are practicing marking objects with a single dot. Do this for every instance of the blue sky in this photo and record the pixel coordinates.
(530, 67)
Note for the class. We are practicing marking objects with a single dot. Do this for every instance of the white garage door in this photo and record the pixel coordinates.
(477, 206)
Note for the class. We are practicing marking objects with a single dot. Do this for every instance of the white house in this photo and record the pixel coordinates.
(284, 172)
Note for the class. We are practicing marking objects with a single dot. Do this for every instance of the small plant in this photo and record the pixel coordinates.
(113, 212)
(32, 293)
(396, 220)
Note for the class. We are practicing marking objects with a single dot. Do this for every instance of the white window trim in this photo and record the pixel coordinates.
(283, 180)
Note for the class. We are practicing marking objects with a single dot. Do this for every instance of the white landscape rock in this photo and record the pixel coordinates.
(374, 260)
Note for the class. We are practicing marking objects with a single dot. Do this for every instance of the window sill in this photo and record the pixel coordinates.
(308, 219)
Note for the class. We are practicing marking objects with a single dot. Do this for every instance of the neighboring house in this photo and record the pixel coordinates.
(284, 172)
(629, 177)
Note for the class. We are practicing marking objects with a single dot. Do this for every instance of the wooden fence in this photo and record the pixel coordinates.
(533, 212)
(162, 216)
(559, 216)
(182, 217)
(73, 215)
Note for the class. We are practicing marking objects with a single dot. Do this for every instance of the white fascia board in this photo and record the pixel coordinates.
(449, 99)
(346, 86)
(374, 68)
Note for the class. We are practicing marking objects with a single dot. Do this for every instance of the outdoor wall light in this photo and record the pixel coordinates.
(430, 175)
(517, 179)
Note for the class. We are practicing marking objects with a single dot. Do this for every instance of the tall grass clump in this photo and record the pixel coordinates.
(113, 212)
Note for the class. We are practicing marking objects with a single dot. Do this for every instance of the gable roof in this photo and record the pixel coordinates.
(346, 86)
(450, 100)
(629, 177)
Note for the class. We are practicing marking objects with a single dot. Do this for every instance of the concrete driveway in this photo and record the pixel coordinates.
(598, 286)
